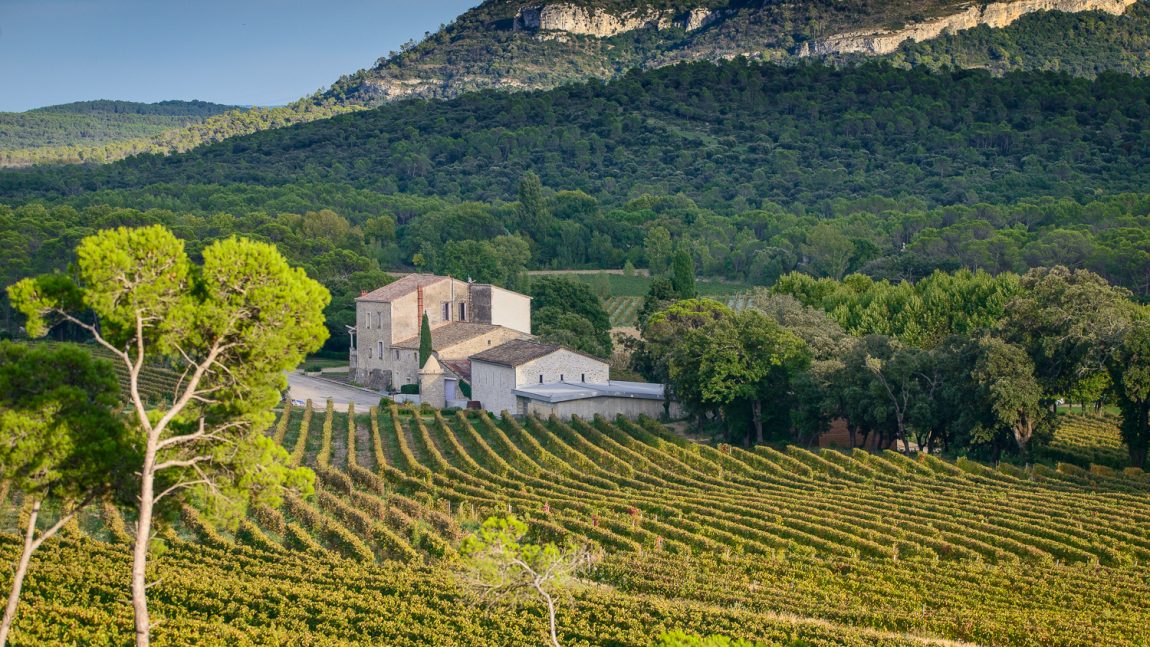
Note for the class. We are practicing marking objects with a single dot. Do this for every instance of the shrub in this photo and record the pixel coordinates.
(409, 389)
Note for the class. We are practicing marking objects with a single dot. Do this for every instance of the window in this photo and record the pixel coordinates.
(396, 354)
(447, 311)
(541, 378)
(367, 320)
(582, 377)
(463, 312)
(381, 350)
(370, 353)
(379, 320)
(560, 377)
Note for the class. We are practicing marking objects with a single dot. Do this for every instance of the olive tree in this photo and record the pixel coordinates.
(230, 327)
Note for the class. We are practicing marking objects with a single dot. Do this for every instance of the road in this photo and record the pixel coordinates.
(319, 391)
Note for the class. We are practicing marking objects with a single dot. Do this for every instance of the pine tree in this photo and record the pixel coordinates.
(424, 341)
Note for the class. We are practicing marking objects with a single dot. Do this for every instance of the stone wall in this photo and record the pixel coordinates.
(491, 384)
(563, 365)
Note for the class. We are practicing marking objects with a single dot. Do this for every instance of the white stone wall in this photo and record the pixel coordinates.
(604, 406)
(562, 365)
(491, 384)
(510, 309)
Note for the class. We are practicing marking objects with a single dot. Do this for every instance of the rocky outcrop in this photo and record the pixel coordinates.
(997, 14)
(585, 21)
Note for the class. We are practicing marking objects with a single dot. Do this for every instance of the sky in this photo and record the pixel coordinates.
(242, 52)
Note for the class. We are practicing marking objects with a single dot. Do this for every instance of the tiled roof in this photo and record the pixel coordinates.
(461, 367)
(515, 352)
(401, 287)
(449, 335)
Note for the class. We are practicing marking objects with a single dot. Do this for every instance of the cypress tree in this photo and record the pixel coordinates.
(424, 341)
(683, 275)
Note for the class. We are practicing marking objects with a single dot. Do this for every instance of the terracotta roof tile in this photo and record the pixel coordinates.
(515, 352)
(449, 335)
(401, 287)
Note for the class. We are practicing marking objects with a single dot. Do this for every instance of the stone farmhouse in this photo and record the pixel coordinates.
(483, 354)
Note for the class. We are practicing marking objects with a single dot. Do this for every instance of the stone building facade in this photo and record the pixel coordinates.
(464, 317)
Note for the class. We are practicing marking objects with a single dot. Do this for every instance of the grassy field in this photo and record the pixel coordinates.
(830, 548)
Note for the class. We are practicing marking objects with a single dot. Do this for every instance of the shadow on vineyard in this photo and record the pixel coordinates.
(827, 547)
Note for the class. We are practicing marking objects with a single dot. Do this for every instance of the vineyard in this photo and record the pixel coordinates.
(825, 547)
(624, 310)
(1089, 440)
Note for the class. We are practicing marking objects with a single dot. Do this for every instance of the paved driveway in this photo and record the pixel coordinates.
(319, 391)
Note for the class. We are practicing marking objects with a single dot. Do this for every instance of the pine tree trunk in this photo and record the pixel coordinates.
(140, 552)
(551, 614)
(18, 578)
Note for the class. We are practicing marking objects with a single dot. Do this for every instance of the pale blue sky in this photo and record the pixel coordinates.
(251, 52)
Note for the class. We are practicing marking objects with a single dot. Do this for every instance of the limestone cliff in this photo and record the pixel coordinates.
(587, 21)
(876, 42)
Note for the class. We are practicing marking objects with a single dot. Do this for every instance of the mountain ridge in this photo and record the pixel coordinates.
(516, 45)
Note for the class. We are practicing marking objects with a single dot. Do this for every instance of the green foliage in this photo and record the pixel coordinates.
(683, 639)
(1081, 44)
(425, 346)
(62, 437)
(683, 275)
(772, 150)
(1130, 374)
(37, 135)
(568, 312)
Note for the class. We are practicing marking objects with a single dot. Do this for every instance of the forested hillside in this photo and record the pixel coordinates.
(1082, 44)
(54, 131)
(494, 47)
(728, 136)
(102, 131)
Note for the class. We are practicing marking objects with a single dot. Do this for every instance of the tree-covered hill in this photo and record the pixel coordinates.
(502, 45)
(96, 132)
(50, 131)
(1082, 44)
(729, 136)
(511, 45)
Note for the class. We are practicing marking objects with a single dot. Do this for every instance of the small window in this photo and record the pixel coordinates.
(370, 353)
(541, 378)
(379, 320)
(447, 312)
(463, 312)
(397, 354)
(367, 320)
(560, 377)
(582, 377)
(381, 350)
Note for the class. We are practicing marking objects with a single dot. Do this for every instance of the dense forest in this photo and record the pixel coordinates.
(728, 136)
(96, 132)
(43, 132)
(1082, 44)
